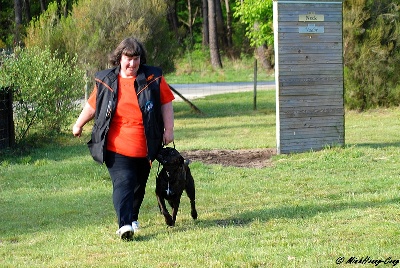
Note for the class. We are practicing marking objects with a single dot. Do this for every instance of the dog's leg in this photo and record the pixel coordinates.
(163, 209)
(175, 208)
(191, 192)
(193, 211)
(193, 207)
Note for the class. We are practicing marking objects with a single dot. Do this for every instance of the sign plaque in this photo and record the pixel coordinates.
(311, 29)
(311, 16)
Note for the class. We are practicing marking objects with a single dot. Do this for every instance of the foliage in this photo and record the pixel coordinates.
(372, 54)
(45, 88)
(306, 210)
(6, 21)
(258, 16)
(2, 44)
(94, 28)
(191, 21)
(46, 31)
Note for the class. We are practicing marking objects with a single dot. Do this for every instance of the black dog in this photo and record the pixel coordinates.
(174, 178)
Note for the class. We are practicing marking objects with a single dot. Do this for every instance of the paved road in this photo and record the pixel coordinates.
(191, 91)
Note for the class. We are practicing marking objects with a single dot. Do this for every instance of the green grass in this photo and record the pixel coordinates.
(307, 210)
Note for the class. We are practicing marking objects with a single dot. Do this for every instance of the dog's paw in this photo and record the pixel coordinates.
(169, 221)
(194, 214)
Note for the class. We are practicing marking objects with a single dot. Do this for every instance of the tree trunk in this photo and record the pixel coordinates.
(18, 12)
(173, 18)
(228, 24)
(221, 29)
(190, 21)
(42, 5)
(27, 8)
(18, 21)
(213, 34)
(206, 39)
(264, 56)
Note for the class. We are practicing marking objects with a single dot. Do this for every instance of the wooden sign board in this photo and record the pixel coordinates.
(309, 74)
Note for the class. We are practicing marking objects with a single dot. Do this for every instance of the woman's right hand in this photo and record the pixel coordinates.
(86, 115)
(77, 131)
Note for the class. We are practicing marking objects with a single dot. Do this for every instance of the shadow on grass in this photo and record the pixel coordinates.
(55, 150)
(375, 145)
(56, 212)
(294, 212)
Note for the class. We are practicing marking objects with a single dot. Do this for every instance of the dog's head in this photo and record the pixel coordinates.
(170, 157)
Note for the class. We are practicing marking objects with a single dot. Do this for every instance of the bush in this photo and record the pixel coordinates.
(372, 55)
(46, 31)
(94, 28)
(45, 86)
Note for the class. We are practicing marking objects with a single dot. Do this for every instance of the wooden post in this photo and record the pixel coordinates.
(309, 74)
(255, 86)
(7, 132)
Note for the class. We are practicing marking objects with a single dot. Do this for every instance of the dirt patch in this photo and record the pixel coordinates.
(254, 158)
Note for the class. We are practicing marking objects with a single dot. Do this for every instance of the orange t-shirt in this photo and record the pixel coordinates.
(126, 134)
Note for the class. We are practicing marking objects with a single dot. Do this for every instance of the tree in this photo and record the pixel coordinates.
(191, 18)
(94, 28)
(43, 5)
(228, 24)
(27, 9)
(18, 21)
(213, 35)
(221, 28)
(259, 12)
(173, 18)
(46, 31)
(257, 15)
(205, 30)
(14, 17)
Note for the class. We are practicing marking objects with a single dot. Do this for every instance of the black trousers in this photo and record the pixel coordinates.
(129, 177)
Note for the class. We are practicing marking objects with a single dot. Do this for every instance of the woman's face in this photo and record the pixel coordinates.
(129, 66)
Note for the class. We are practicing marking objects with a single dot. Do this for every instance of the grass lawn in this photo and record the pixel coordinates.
(308, 210)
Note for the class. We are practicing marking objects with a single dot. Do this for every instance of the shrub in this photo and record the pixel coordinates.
(45, 87)
(94, 28)
(372, 57)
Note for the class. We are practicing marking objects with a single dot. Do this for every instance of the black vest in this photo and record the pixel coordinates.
(147, 86)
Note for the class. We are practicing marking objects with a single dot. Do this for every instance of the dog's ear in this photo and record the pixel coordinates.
(163, 154)
(159, 158)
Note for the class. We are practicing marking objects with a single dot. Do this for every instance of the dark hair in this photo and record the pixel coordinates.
(130, 47)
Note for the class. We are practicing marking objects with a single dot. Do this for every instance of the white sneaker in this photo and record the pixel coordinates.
(125, 232)
(135, 226)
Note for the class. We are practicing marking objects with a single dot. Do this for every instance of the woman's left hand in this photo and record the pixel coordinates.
(168, 136)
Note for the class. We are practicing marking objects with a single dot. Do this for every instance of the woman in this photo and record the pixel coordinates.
(132, 107)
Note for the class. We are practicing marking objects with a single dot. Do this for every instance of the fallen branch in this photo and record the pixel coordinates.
(192, 106)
